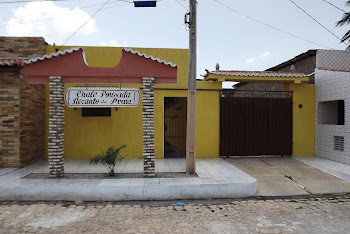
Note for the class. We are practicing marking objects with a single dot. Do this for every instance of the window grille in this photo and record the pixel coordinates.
(331, 112)
(338, 142)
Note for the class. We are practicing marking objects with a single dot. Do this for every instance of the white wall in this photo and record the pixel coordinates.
(331, 86)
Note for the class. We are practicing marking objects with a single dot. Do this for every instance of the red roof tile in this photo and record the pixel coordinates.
(256, 73)
(11, 62)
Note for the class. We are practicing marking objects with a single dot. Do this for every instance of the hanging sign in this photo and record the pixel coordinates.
(102, 97)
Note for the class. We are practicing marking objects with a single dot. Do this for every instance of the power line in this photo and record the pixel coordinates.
(182, 5)
(39, 20)
(23, 1)
(71, 9)
(270, 26)
(334, 6)
(85, 23)
(126, 3)
(316, 21)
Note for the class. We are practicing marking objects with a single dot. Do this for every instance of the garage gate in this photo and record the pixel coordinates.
(254, 123)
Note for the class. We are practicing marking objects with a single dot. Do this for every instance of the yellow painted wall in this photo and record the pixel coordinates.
(87, 136)
(303, 119)
(208, 124)
(208, 117)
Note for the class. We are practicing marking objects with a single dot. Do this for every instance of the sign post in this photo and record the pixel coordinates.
(101, 97)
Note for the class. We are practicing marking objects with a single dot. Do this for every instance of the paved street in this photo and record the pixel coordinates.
(315, 215)
(287, 177)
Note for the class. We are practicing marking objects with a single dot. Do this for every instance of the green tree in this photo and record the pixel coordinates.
(345, 21)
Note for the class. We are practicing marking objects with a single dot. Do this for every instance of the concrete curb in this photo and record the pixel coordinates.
(325, 167)
(127, 193)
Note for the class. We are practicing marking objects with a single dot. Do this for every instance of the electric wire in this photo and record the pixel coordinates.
(85, 23)
(182, 5)
(27, 1)
(317, 21)
(24, 1)
(270, 26)
(334, 6)
(217, 1)
(72, 9)
(187, 10)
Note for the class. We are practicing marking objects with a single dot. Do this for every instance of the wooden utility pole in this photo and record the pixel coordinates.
(191, 98)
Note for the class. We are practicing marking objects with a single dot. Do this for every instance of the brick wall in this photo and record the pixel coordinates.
(56, 127)
(22, 46)
(22, 106)
(32, 122)
(9, 117)
(148, 127)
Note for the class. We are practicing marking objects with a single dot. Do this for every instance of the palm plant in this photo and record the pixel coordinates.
(345, 21)
(109, 159)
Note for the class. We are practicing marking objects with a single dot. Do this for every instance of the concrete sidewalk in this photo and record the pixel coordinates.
(216, 179)
(271, 174)
(337, 169)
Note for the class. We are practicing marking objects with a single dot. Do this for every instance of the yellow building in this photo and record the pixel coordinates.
(87, 136)
(87, 132)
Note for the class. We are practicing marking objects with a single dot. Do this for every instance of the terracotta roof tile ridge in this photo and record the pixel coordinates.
(283, 72)
(256, 73)
(149, 57)
(11, 61)
(52, 55)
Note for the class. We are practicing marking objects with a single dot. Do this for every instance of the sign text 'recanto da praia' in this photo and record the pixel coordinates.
(102, 97)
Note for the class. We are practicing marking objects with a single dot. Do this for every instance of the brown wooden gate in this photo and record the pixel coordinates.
(175, 119)
(256, 123)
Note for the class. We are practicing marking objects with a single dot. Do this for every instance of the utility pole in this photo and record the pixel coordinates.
(192, 75)
(192, 96)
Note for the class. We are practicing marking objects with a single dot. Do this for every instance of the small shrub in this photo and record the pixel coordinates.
(109, 159)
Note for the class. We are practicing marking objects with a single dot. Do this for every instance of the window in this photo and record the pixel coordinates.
(95, 112)
(338, 143)
(341, 112)
(331, 112)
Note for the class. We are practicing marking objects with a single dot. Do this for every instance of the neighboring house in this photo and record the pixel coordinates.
(304, 63)
(258, 86)
(331, 76)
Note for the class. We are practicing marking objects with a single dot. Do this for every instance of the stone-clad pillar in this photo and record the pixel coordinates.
(56, 127)
(148, 127)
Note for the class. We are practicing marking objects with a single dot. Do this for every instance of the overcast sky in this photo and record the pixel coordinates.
(224, 36)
